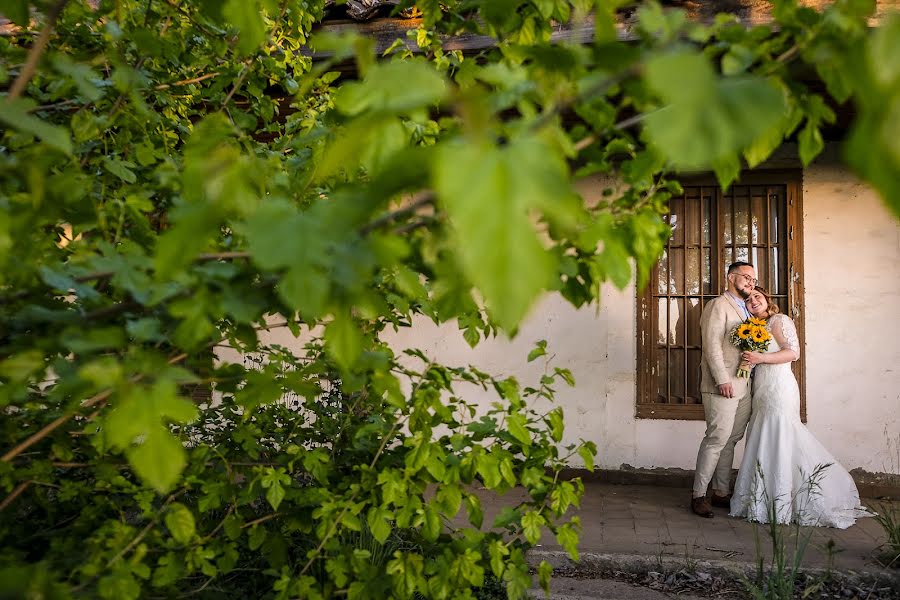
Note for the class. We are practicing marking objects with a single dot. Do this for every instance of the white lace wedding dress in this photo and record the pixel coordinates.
(782, 461)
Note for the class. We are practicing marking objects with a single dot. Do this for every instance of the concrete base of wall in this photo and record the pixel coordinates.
(882, 486)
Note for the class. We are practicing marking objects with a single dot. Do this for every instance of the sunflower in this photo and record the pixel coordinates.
(759, 334)
(744, 331)
(757, 321)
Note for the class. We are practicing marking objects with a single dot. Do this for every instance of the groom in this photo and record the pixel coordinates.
(726, 397)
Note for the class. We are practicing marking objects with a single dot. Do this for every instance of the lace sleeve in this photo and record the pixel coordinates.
(785, 333)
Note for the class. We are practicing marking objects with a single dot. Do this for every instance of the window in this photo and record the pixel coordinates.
(758, 221)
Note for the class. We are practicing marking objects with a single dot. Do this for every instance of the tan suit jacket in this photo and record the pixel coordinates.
(720, 360)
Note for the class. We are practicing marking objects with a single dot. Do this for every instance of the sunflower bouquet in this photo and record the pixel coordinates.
(751, 335)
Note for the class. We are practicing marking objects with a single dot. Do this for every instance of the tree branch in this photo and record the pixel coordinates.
(165, 86)
(53, 425)
(620, 126)
(600, 87)
(424, 199)
(17, 491)
(237, 84)
(34, 54)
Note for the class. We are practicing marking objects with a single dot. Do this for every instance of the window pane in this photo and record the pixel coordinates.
(676, 221)
(677, 325)
(662, 276)
(775, 219)
(710, 230)
(662, 376)
(662, 332)
(761, 260)
(741, 217)
(692, 271)
(693, 374)
(726, 220)
(676, 376)
(676, 271)
(707, 218)
(693, 321)
(707, 271)
(692, 224)
(759, 225)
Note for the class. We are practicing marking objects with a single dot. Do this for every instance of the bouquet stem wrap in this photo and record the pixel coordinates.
(750, 336)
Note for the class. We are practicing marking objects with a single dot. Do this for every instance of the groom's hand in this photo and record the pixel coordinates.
(726, 390)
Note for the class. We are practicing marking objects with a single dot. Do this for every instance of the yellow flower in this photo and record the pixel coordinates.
(757, 321)
(759, 334)
(744, 331)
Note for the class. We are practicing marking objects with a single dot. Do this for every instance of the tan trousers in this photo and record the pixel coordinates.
(726, 421)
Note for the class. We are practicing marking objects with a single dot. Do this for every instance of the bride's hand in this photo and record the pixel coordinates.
(754, 358)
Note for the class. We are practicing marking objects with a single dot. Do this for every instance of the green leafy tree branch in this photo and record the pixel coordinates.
(179, 178)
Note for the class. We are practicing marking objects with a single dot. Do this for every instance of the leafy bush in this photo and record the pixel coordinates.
(178, 177)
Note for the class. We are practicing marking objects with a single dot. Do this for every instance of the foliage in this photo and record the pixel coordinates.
(178, 177)
(888, 516)
(788, 543)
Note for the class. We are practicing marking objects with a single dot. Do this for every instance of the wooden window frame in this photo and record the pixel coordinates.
(792, 179)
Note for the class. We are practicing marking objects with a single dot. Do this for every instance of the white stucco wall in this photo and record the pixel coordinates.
(852, 247)
(852, 277)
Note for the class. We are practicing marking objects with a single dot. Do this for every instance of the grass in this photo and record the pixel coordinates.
(888, 516)
(788, 544)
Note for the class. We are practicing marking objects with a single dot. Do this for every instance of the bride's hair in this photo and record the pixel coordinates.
(773, 308)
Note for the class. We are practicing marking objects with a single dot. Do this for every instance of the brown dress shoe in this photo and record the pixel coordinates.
(721, 501)
(702, 507)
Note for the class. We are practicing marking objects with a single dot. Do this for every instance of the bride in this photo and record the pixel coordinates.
(786, 475)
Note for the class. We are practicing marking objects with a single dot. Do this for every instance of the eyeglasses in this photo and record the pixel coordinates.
(748, 278)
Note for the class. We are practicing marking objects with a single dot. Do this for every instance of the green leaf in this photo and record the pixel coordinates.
(555, 420)
(810, 143)
(516, 424)
(498, 553)
(16, 11)
(431, 527)
(393, 88)
(82, 75)
(567, 537)
(275, 495)
(737, 60)
(587, 451)
(180, 522)
(508, 515)
(764, 145)
(540, 349)
(343, 340)
(256, 536)
(473, 508)
(378, 519)
(727, 170)
(232, 527)
(15, 115)
(707, 119)
(544, 573)
(562, 497)
(495, 239)
(532, 521)
(449, 496)
(605, 22)
(488, 467)
(158, 459)
(19, 367)
(247, 17)
(883, 50)
(118, 585)
(121, 169)
(614, 262)
(406, 569)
